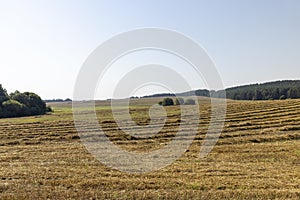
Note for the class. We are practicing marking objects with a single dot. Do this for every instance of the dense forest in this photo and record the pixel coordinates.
(264, 91)
(19, 104)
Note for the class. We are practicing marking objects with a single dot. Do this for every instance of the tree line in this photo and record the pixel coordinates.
(265, 91)
(57, 100)
(19, 104)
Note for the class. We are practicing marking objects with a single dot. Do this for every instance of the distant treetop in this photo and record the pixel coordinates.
(57, 100)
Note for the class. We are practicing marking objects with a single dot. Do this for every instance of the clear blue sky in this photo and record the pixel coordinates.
(43, 43)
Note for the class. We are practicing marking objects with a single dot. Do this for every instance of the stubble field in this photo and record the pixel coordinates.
(257, 156)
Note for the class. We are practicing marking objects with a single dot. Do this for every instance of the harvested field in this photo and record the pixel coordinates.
(257, 156)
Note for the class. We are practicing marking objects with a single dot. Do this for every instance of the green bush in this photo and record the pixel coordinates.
(34, 104)
(11, 108)
(21, 104)
(167, 102)
(49, 109)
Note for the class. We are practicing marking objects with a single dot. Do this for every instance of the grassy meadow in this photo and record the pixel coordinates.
(257, 155)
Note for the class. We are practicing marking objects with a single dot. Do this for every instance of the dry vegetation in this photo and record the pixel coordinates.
(256, 157)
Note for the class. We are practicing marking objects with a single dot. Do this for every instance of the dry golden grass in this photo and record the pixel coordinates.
(256, 157)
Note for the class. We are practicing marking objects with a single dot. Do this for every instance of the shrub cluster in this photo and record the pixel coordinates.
(178, 101)
(21, 104)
